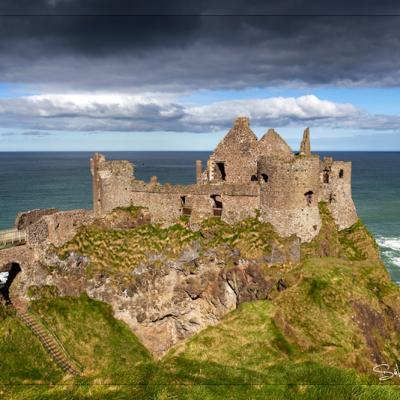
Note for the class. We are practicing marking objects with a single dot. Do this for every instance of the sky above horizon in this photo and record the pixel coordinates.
(173, 75)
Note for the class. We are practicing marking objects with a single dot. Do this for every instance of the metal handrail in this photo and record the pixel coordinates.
(12, 237)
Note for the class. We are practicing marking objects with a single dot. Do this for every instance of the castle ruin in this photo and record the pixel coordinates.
(244, 177)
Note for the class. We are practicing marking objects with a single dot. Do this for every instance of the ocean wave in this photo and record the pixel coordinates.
(392, 243)
(390, 249)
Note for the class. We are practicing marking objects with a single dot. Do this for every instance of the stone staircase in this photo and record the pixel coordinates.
(55, 349)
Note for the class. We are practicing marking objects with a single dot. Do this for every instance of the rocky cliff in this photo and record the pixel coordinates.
(168, 284)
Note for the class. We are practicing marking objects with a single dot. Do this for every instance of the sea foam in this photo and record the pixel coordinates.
(390, 248)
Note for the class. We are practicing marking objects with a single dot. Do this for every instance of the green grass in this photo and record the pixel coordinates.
(311, 341)
(302, 344)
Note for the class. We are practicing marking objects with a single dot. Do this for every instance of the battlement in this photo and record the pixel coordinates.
(244, 177)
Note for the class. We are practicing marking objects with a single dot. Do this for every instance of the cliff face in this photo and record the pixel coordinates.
(168, 284)
(165, 283)
(236, 302)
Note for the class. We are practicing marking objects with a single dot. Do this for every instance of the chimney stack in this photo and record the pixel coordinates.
(305, 147)
(199, 170)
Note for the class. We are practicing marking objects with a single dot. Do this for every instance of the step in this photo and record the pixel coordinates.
(48, 342)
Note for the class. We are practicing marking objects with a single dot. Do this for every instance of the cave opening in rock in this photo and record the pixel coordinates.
(7, 278)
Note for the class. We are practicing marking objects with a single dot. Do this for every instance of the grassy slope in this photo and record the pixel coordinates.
(306, 342)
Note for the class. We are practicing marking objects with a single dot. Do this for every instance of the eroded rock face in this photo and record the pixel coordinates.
(166, 301)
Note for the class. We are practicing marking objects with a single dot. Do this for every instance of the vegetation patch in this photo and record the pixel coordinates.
(42, 292)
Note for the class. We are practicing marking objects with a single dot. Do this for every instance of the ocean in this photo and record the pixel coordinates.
(31, 180)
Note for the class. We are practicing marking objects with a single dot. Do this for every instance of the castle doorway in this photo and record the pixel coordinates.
(7, 278)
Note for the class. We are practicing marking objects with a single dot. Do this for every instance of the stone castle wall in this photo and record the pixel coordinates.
(289, 199)
(26, 218)
(335, 190)
(57, 228)
(244, 176)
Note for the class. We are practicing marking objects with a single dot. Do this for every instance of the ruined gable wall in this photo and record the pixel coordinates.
(283, 201)
(337, 192)
(238, 150)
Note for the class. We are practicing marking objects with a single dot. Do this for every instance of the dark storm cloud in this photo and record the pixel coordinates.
(185, 53)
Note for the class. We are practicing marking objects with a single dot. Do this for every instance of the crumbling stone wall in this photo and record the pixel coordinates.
(26, 218)
(57, 228)
(236, 152)
(335, 190)
(289, 200)
(243, 175)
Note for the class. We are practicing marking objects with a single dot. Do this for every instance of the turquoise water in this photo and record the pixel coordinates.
(62, 180)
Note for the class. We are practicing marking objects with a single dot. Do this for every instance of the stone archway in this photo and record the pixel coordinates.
(9, 273)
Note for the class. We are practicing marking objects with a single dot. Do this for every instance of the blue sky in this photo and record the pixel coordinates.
(385, 101)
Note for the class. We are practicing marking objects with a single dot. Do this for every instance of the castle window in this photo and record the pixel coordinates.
(217, 205)
(264, 177)
(254, 178)
(309, 197)
(341, 173)
(326, 177)
(221, 174)
(186, 210)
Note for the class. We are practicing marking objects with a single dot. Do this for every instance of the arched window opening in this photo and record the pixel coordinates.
(309, 196)
(341, 173)
(217, 205)
(264, 177)
(6, 279)
(254, 178)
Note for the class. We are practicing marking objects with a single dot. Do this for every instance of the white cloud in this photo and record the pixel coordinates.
(162, 112)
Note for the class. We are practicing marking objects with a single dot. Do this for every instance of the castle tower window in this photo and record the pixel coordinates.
(264, 177)
(326, 177)
(220, 171)
(217, 205)
(309, 196)
(186, 209)
(341, 173)
(254, 178)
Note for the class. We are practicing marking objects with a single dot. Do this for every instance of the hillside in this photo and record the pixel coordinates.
(317, 332)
